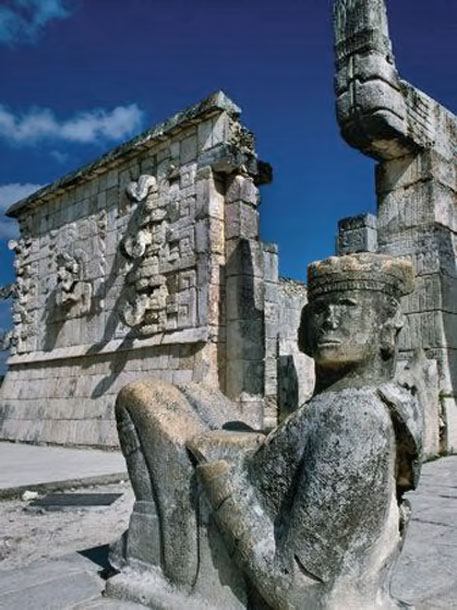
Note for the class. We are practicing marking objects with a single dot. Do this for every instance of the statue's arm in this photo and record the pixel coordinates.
(378, 112)
(246, 525)
(250, 534)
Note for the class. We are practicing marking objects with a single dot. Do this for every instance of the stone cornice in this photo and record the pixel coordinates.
(214, 104)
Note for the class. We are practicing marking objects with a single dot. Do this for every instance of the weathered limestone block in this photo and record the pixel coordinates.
(311, 515)
(357, 234)
(245, 295)
(295, 370)
(420, 375)
(272, 326)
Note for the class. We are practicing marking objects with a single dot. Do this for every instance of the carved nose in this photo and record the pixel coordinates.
(331, 319)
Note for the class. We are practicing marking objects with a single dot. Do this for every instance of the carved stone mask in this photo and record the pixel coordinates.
(68, 271)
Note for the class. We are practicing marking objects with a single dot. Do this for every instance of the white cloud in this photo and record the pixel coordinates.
(22, 20)
(59, 156)
(85, 127)
(9, 194)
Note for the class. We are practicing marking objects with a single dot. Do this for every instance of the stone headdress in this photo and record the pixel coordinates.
(362, 271)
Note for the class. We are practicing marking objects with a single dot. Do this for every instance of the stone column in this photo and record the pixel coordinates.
(272, 305)
(210, 252)
(245, 297)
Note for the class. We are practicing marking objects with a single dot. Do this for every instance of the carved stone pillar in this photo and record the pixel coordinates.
(414, 139)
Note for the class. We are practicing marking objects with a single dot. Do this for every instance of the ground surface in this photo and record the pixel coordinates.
(28, 535)
(426, 574)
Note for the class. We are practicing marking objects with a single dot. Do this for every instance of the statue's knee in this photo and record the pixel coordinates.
(139, 398)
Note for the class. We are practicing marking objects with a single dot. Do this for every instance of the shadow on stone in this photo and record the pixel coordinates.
(99, 555)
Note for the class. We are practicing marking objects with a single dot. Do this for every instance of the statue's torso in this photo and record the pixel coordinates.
(327, 479)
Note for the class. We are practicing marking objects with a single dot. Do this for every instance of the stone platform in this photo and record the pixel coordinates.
(29, 467)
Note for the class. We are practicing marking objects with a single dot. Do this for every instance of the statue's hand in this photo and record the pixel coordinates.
(215, 479)
(223, 445)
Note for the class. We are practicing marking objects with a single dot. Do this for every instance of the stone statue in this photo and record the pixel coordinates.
(310, 516)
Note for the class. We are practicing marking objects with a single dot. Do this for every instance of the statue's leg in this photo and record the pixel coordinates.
(134, 457)
(154, 421)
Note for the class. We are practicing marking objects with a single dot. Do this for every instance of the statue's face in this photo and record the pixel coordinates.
(344, 327)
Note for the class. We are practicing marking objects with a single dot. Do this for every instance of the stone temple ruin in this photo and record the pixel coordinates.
(148, 262)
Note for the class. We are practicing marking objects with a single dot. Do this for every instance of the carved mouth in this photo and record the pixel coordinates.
(329, 343)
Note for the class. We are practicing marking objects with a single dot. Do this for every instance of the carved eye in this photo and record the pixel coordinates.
(347, 302)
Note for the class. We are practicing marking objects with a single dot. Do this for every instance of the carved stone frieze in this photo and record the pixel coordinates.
(25, 296)
(157, 298)
(7, 291)
(139, 190)
(71, 289)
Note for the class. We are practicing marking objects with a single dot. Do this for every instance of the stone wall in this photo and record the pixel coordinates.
(146, 263)
(295, 371)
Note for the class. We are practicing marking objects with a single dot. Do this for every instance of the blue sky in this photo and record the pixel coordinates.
(80, 76)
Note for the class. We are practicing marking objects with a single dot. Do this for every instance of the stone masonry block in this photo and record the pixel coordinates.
(188, 149)
(445, 203)
(271, 262)
(406, 208)
(221, 125)
(240, 188)
(205, 133)
(211, 269)
(209, 199)
(244, 257)
(209, 236)
(245, 377)
(357, 234)
(245, 297)
(242, 220)
(245, 340)
(271, 292)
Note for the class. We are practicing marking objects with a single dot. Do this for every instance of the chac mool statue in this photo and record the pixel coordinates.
(310, 516)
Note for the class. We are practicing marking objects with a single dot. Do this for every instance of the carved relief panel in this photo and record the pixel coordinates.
(25, 304)
(160, 292)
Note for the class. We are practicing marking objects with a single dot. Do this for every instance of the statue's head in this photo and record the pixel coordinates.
(353, 315)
